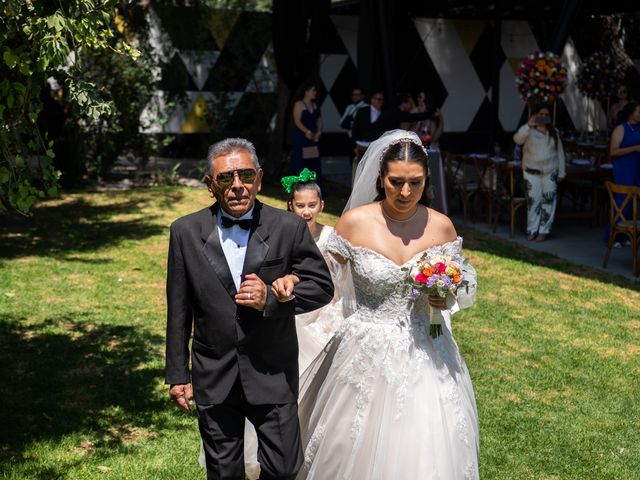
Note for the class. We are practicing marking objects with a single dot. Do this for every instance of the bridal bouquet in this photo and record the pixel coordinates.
(435, 276)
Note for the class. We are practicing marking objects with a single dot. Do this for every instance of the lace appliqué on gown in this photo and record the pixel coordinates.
(391, 384)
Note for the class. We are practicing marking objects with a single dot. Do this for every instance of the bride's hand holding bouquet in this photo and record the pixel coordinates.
(437, 277)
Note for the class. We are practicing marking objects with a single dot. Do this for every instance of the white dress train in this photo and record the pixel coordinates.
(387, 401)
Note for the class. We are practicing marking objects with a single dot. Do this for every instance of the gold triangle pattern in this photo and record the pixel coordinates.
(196, 121)
(515, 63)
(469, 32)
(220, 25)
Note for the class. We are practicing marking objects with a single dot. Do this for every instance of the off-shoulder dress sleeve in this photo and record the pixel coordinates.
(337, 244)
(466, 295)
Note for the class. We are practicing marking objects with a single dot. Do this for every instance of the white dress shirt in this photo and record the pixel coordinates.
(234, 244)
(375, 113)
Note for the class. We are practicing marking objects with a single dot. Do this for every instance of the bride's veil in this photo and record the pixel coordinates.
(364, 191)
(366, 177)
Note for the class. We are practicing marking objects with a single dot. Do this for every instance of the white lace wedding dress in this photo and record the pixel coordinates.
(316, 328)
(387, 401)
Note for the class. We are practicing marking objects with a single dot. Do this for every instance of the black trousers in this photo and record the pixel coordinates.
(222, 431)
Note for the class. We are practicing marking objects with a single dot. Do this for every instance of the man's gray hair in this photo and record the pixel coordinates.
(228, 146)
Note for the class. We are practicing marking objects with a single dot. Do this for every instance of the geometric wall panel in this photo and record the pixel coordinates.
(585, 113)
(265, 76)
(199, 63)
(347, 27)
(447, 51)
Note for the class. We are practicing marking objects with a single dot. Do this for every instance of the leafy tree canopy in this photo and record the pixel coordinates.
(40, 40)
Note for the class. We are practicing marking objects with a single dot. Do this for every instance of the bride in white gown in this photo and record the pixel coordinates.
(386, 400)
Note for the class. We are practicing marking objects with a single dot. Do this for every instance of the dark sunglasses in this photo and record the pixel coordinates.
(246, 175)
(379, 98)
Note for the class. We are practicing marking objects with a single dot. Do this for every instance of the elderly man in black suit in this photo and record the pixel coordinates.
(244, 358)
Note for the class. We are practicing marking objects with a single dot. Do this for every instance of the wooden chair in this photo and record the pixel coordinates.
(462, 181)
(507, 198)
(627, 196)
(486, 178)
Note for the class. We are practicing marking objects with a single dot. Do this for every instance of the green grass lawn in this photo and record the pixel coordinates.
(553, 350)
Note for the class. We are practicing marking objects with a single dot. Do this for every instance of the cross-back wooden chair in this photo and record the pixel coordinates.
(508, 197)
(623, 217)
(462, 181)
(486, 178)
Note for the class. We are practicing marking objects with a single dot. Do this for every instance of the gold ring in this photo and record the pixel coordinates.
(249, 296)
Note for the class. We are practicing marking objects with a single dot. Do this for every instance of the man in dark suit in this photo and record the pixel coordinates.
(244, 358)
(372, 121)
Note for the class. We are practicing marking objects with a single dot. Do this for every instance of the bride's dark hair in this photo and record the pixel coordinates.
(407, 151)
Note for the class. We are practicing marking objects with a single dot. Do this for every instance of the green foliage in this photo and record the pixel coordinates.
(39, 40)
(167, 178)
(129, 83)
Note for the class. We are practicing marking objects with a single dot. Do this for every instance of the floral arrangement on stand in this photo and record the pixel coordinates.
(541, 77)
(599, 76)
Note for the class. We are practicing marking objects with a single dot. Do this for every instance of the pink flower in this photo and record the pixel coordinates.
(420, 278)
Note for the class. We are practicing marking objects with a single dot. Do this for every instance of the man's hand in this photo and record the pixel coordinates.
(252, 293)
(282, 287)
(182, 395)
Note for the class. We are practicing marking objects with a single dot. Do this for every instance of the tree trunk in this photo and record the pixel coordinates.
(277, 157)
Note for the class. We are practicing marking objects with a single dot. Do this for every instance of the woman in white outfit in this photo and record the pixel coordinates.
(543, 165)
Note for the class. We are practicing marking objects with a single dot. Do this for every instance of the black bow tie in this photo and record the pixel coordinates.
(227, 222)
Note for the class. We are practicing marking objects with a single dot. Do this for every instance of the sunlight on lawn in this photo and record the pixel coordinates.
(552, 349)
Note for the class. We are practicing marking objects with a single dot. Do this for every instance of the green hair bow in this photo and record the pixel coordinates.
(305, 176)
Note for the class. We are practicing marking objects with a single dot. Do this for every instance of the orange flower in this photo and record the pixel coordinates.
(427, 272)
(456, 278)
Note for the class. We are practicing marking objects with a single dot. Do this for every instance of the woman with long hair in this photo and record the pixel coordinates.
(307, 129)
(543, 165)
(624, 149)
(387, 398)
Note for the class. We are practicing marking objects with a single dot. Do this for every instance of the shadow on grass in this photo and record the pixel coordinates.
(63, 229)
(65, 376)
(484, 242)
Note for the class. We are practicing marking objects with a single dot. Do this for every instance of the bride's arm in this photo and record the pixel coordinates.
(445, 232)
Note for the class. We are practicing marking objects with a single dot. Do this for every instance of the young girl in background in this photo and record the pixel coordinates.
(317, 327)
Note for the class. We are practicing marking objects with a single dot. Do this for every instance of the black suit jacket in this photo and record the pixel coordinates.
(389, 119)
(228, 339)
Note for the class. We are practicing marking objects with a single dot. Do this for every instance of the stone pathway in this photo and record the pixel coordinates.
(571, 240)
